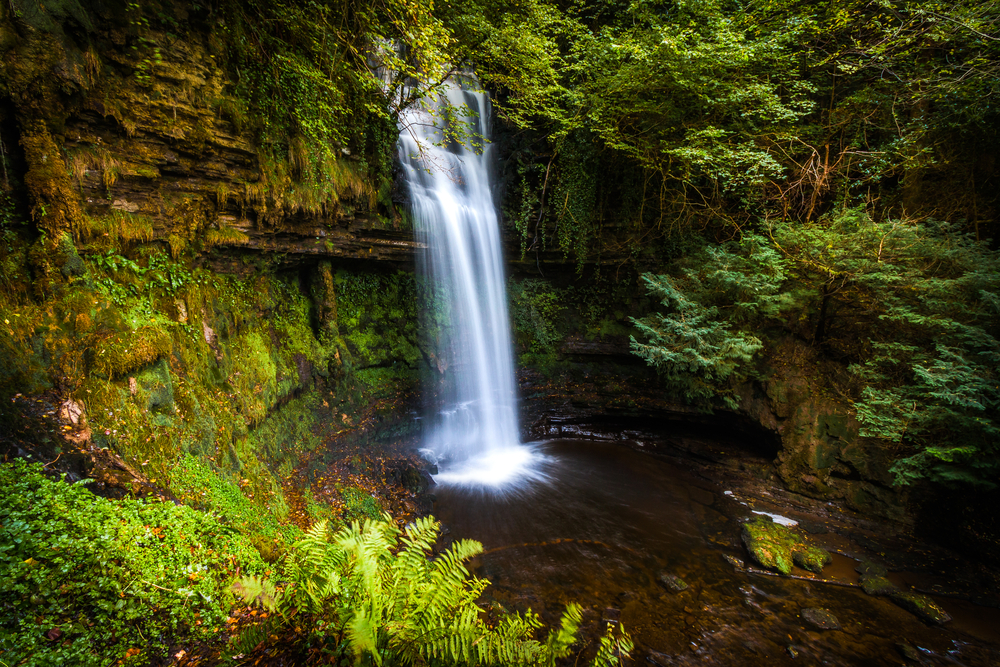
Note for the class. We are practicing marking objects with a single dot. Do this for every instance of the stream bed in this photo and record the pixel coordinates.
(611, 528)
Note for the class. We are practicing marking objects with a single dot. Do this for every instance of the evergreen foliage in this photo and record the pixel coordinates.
(369, 592)
(697, 346)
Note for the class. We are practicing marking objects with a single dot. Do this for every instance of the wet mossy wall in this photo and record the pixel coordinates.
(189, 373)
(210, 317)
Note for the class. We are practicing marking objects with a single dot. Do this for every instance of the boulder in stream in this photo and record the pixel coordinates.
(877, 585)
(811, 558)
(921, 606)
(776, 547)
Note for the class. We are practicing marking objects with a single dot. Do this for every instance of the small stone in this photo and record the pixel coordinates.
(908, 651)
(876, 585)
(792, 651)
(71, 412)
(734, 561)
(921, 606)
(673, 582)
(821, 619)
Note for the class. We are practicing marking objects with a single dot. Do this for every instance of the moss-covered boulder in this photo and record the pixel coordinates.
(821, 619)
(877, 585)
(777, 548)
(921, 606)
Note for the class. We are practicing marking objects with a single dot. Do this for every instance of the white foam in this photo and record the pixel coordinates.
(777, 518)
(499, 469)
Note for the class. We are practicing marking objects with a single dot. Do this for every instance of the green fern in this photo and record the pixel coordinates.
(370, 593)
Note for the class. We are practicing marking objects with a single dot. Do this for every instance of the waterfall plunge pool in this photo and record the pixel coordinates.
(605, 526)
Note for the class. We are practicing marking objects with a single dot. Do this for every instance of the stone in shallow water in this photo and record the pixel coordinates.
(821, 619)
(673, 582)
(921, 606)
(870, 568)
(908, 651)
(877, 585)
(734, 561)
(809, 558)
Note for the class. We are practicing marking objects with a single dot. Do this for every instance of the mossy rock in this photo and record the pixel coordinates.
(867, 567)
(777, 548)
(921, 606)
(69, 260)
(769, 543)
(877, 585)
(811, 558)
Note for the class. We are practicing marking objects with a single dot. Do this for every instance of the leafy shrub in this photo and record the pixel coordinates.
(370, 593)
(83, 578)
(534, 308)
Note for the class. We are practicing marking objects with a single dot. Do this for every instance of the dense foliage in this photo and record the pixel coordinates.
(369, 592)
(776, 168)
(88, 581)
(912, 307)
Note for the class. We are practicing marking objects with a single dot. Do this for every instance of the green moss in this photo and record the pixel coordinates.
(535, 306)
(360, 505)
(201, 485)
(874, 584)
(769, 543)
(127, 351)
(384, 382)
(811, 558)
(922, 606)
(377, 317)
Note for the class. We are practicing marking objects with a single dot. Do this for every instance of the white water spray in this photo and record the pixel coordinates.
(473, 435)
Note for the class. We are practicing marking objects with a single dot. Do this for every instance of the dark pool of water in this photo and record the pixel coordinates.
(611, 520)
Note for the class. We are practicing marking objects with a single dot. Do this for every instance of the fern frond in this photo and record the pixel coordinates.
(613, 648)
(561, 638)
(256, 591)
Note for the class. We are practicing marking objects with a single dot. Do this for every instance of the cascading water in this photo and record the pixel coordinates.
(473, 435)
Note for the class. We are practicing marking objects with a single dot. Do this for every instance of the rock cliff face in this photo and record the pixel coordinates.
(116, 136)
(193, 309)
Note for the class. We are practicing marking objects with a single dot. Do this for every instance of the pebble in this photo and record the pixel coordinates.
(673, 582)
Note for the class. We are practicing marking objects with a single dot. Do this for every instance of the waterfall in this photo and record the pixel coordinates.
(473, 432)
